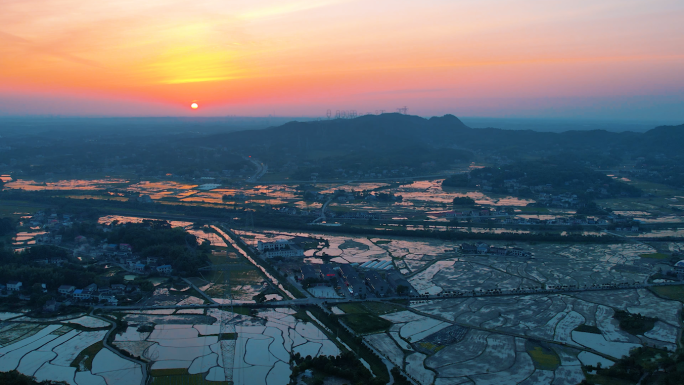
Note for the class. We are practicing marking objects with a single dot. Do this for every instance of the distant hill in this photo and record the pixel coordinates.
(393, 131)
(379, 131)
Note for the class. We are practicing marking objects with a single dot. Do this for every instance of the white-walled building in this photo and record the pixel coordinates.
(279, 248)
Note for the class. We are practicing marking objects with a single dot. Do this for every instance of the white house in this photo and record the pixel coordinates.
(679, 267)
(165, 269)
(518, 252)
(66, 289)
(279, 248)
(13, 285)
(109, 298)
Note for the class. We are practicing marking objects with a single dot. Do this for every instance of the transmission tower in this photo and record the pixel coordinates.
(328, 114)
(402, 110)
(227, 327)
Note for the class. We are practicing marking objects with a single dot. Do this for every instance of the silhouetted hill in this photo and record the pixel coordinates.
(392, 134)
(380, 131)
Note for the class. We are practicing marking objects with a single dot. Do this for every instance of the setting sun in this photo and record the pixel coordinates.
(194, 106)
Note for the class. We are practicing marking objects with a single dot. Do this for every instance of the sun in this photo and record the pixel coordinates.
(194, 106)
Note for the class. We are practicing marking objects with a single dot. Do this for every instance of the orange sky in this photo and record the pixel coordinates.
(300, 57)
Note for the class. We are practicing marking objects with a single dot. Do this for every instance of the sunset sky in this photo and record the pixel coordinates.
(582, 58)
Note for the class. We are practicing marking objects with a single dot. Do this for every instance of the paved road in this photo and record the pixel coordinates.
(311, 301)
(393, 179)
(261, 170)
(199, 291)
(112, 349)
(322, 217)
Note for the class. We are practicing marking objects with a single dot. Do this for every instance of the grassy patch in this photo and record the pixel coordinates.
(331, 321)
(366, 323)
(380, 308)
(87, 355)
(670, 292)
(382, 242)
(239, 310)
(431, 347)
(177, 379)
(169, 372)
(655, 256)
(352, 308)
(588, 329)
(228, 337)
(543, 357)
(17, 211)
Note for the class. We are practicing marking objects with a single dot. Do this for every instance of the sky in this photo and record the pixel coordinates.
(591, 59)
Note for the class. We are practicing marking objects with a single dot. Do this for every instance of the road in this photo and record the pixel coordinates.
(229, 240)
(392, 179)
(312, 301)
(192, 285)
(261, 169)
(112, 349)
(322, 217)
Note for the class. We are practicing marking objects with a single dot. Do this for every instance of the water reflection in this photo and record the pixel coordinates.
(74, 184)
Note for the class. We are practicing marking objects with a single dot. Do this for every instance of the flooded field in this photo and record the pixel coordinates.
(74, 184)
(58, 352)
(257, 349)
(552, 265)
(434, 266)
(109, 219)
(257, 352)
(26, 238)
(439, 352)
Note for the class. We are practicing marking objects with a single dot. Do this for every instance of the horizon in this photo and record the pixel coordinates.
(512, 59)
(238, 123)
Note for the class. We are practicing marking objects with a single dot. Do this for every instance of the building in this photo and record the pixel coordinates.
(308, 272)
(66, 289)
(13, 286)
(165, 269)
(109, 247)
(518, 252)
(679, 267)
(104, 290)
(347, 272)
(482, 248)
(378, 285)
(498, 250)
(139, 268)
(279, 248)
(395, 279)
(468, 248)
(208, 186)
(51, 306)
(118, 288)
(90, 288)
(80, 294)
(110, 299)
(355, 285)
(327, 272)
